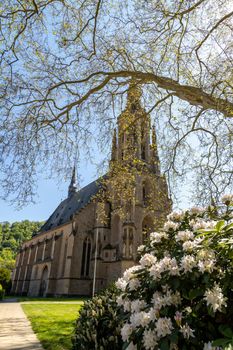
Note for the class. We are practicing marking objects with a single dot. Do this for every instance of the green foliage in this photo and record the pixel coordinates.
(98, 326)
(11, 238)
(2, 292)
(7, 259)
(5, 279)
(13, 235)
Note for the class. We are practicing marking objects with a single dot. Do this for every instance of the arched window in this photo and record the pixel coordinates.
(86, 256)
(128, 237)
(44, 282)
(147, 228)
(143, 152)
(145, 193)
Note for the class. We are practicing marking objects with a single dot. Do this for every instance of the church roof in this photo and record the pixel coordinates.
(72, 205)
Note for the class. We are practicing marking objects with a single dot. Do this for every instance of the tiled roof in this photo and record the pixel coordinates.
(72, 205)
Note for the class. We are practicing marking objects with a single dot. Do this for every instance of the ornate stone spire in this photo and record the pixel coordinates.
(154, 152)
(73, 185)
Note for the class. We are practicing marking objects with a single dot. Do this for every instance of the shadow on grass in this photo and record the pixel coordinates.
(51, 299)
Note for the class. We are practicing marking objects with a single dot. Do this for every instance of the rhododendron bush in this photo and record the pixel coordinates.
(98, 326)
(180, 295)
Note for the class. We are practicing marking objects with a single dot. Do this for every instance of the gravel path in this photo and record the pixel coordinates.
(15, 330)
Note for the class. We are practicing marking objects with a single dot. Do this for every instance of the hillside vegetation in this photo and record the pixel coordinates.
(11, 238)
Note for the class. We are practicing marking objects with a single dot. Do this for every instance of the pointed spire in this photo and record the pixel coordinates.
(72, 186)
(154, 151)
(114, 146)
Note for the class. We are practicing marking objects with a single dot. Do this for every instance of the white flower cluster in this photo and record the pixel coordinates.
(188, 262)
(184, 236)
(163, 327)
(215, 298)
(147, 260)
(175, 216)
(129, 279)
(156, 237)
(187, 331)
(197, 210)
(191, 245)
(160, 300)
(140, 248)
(167, 264)
(170, 225)
(202, 224)
(150, 339)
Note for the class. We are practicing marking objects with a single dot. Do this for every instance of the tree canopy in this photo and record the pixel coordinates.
(11, 238)
(66, 67)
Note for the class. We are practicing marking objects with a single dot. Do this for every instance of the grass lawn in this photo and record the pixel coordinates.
(53, 323)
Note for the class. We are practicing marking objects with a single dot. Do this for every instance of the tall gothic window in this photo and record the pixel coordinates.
(86, 255)
(64, 257)
(145, 193)
(147, 228)
(143, 152)
(127, 250)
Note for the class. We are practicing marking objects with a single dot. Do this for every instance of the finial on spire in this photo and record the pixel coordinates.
(154, 139)
(114, 146)
(134, 91)
(73, 185)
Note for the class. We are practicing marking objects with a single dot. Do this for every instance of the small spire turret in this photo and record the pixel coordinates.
(73, 186)
(154, 151)
(114, 146)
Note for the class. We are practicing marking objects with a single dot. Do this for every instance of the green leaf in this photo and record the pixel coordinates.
(229, 227)
(226, 331)
(205, 232)
(220, 225)
(193, 293)
(164, 345)
(174, 337)
(125, 345)
(220, 342)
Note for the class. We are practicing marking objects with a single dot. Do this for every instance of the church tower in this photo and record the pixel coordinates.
(138, 191)
(135, 142)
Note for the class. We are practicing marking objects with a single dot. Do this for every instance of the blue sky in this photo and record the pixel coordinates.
(49, 194)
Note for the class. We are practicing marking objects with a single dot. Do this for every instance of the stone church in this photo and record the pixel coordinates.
(93, 235)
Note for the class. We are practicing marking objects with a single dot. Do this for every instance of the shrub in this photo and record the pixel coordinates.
(99, 324)
(180, 296)
(5, 279)
(2, 292)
